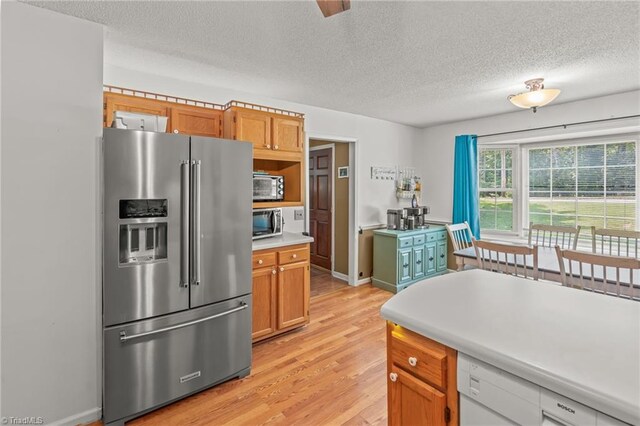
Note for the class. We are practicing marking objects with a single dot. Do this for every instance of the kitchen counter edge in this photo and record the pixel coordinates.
(286, 239)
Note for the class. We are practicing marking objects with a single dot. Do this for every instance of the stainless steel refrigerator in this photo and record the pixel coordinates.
(176, 267)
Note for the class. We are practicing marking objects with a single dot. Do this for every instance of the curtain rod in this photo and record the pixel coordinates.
(564, 126)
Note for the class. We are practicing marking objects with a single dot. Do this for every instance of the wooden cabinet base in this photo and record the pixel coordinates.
(281, 290)
(421, 380)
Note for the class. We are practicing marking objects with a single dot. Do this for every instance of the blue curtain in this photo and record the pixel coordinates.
(465, 183)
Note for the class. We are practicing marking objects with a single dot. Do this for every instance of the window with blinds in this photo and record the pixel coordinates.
(496, 188)
(587, 185)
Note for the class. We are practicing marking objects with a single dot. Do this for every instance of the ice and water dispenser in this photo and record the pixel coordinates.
(143, 240)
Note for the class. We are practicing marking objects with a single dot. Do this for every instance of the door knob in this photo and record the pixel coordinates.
(260, 262)
(413, 361)
(393, 377)
(282, 269)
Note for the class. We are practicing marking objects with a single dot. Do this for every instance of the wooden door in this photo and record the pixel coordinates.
(413, 402)
(293, 294)
(117, 102)
(442, 255)
(418, 262)
(196, 121)
(287, 134)
(404, 265)
(254, 127)
(264, 302)
(430, 257)
(320, 200)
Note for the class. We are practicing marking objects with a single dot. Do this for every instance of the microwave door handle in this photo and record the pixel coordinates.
(184, 224)
(274, 222)
(196, 223)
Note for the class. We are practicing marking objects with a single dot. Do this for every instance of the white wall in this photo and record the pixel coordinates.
(51, 119)
(381, 143)
(435, 151)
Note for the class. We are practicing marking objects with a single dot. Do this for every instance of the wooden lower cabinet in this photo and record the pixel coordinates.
(421, 380)
(281, 290)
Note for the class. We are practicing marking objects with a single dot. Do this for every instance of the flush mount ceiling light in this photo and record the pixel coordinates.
(537, 95)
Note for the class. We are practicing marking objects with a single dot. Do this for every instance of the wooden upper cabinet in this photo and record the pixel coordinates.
(287, 134)
(117, 102)
(196, 121)
(254, 127)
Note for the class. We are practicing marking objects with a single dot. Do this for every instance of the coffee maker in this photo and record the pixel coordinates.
(408, 218)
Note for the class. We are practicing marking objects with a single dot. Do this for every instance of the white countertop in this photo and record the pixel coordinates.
(286, 239)
(582, 345)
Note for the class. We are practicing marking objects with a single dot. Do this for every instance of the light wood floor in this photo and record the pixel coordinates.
(331, 372)
(323, 282)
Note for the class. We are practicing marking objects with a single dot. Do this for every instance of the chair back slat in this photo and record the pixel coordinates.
(615, 242)
(612, 275)
(507, 258)
(551, 236)
(460, 234)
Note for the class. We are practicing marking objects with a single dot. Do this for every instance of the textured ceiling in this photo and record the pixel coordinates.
(418, 63)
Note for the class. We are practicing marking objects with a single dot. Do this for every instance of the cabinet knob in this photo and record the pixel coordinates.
(260, 261)
(430, 259)
(393, 376)
(275, 147)
(418, 261)
(268, 146)
(176, 131)
(406, 265)
(442, 256)
(413, 361)
(294, 256)
(273, 272)
(282, 269)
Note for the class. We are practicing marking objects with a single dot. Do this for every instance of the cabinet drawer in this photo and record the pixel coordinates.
(431, 236)
(419, 239)
(297, 254)
(405, 242)
(442, 236)
(424, 359)
(262, 260)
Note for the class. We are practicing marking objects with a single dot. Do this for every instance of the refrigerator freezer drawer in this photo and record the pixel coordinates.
(153, 362)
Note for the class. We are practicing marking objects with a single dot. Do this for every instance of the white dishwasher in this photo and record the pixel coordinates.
(492, 397)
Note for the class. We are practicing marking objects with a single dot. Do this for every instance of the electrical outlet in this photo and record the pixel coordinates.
(298, 215)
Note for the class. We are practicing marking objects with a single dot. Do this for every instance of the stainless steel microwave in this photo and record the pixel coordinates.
(267, 223)
(268, 188)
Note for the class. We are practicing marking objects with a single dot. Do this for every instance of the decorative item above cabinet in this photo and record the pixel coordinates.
(276, 134)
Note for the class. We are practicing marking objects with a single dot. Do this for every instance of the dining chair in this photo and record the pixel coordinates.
(460, 234)
(507, 258)
(552, 235)
(615, 242)
(613, 275)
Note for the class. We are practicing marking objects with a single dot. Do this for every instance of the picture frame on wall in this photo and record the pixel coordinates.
(343, 172)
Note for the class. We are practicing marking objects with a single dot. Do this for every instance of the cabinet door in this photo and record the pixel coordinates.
(442, 256)
(430, 258)
(418, 262)
(404, 265)
(413, 402)
(117, 102)
(264, 302)
(196, 121)
(254, 127)
(293, 294)
(287, 134)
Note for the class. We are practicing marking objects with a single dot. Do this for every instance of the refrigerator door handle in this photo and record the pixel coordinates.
(184, 224)
(124, 337)
(196, 238)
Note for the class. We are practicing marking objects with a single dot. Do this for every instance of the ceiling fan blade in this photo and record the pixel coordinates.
(332, 7)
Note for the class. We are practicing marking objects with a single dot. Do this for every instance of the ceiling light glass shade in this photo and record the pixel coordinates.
(535, 98)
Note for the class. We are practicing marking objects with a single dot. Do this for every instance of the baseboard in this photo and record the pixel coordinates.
(363, 281)
(340, 276)
(88, 416)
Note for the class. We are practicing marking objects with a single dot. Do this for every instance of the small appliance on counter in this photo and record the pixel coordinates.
(267, 187)
(267, 223)
(407, 219)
